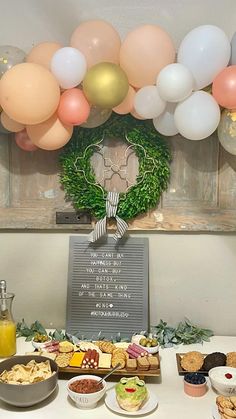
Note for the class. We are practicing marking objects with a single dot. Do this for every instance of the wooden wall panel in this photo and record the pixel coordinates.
(201, 195)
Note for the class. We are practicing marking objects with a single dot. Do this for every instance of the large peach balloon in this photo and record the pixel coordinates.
(73, 108)
(10, 124)
(51, 134)
(144, 52)
(29, 93)
(224, 87)
(128, 103)
(42, 53)
(98, 41)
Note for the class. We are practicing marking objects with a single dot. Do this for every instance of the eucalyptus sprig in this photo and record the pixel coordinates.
(185, 333)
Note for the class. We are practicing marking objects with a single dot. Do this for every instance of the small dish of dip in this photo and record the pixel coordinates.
(223, 379)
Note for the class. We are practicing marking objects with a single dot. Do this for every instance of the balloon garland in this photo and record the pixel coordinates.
(53, 88)
(78, 176)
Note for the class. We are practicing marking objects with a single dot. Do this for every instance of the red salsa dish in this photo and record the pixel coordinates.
(86, 386)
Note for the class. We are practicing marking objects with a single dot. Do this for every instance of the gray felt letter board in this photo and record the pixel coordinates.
(107, 287)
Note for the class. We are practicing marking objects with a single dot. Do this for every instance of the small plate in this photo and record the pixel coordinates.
(215, 412)
(148, 407)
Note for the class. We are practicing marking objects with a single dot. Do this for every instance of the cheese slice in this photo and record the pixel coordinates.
(104, 361)
(77, 359)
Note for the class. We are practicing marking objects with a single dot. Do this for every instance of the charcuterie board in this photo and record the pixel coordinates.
(104, 371)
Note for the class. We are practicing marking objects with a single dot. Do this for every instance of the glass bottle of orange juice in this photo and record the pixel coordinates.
(7, 324)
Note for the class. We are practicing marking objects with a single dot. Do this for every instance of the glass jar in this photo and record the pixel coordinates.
(7, 324)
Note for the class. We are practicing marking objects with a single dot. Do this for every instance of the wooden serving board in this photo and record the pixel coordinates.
(181, 371)
(104, 371)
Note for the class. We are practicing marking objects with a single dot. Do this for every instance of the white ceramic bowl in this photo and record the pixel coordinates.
(151, 349)
(223, 385)
(40, 345)
(86, 401)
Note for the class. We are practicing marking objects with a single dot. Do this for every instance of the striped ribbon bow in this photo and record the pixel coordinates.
(101, 226)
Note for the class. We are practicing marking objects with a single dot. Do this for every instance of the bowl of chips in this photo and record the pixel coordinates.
(27, 380)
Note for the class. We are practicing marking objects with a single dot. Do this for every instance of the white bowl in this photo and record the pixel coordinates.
(150, 349)
(86, 401)
(225, 386)
(40, 345)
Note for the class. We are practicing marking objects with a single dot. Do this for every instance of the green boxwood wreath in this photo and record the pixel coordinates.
(151, 181)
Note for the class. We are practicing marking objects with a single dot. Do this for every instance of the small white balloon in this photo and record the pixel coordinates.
(175, 82)
(165, 123)
(205, 51)
(69, 67)
(148, 103)
(198, 116)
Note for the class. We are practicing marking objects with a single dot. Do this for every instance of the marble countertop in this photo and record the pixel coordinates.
(173, 402)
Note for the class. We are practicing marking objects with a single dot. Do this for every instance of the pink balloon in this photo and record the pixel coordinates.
(24, 142)
(144, 52)
(224, 87)
(73, 108)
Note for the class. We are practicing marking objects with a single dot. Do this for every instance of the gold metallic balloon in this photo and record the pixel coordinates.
(105, 85)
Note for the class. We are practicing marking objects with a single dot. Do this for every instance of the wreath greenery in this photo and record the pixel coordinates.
(154, 171)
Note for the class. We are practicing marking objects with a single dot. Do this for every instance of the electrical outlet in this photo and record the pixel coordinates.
(73, 218)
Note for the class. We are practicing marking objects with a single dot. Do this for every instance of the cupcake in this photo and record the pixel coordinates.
(131, 393)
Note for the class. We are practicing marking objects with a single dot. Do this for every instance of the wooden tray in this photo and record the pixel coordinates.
(104, 371)
(181, 371)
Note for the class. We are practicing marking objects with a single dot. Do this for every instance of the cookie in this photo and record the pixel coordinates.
(131, 364)
(192, 361)
(216, 359)
(226, 406)
(153, 362)
(143, 363)
(63, 359)
(107, 347)
(231, 359)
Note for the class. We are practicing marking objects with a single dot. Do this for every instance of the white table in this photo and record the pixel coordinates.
(173, 402)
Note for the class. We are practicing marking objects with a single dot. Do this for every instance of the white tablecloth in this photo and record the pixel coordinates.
(173, 402)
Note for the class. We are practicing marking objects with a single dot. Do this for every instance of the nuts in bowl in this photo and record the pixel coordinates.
(85, 390)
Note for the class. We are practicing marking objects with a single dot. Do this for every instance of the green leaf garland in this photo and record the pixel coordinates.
(154, 171)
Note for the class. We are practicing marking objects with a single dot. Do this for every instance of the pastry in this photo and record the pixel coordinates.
(104, 361)
(131, 393)
(153, 362)
(192, 361)
(131, 364)
(231, 359)
(216, 359)
(143, 363)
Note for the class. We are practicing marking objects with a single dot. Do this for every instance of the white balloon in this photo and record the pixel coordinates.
(205, 51)
(165, 123)
(69, 67)
(175, 82)
(198, 116)
(148, 103)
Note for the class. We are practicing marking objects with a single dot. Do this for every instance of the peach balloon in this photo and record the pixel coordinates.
(24, 142)
(29, 93)
(73, 108)
(144, 52)
(128, 103)
(51, 134)
(9, 124)
(42, 53)
(224, 87)
(98, 41)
